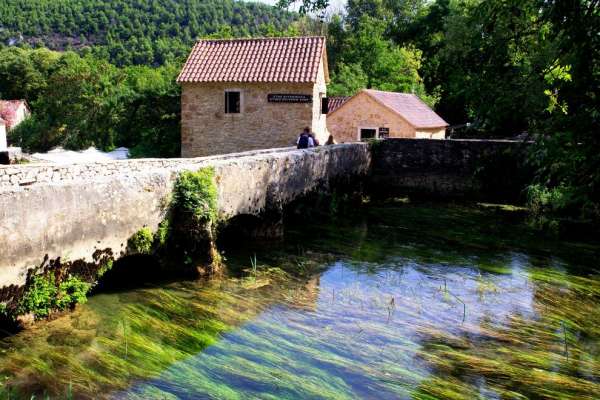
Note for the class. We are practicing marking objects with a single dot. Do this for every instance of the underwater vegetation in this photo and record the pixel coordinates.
(409, 301)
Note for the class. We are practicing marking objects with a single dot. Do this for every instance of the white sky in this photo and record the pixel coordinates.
(334, 4)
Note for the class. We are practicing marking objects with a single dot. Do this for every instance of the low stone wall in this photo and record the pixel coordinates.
(493, 170)
(72, 211)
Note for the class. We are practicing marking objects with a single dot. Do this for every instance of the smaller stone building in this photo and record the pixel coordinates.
(248, 94)
(374, 114)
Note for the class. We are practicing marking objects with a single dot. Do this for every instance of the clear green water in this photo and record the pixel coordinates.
(409, 302)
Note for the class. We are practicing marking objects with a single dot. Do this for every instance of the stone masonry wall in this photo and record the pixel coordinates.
(364, 112)
(495, 170)
(207, 130)
(72, 211)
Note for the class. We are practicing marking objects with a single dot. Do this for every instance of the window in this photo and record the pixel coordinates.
(368, 133)
(384, 133)
(324, 105)
(232, 102)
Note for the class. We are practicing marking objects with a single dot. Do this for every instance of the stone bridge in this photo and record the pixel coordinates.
(71, 211)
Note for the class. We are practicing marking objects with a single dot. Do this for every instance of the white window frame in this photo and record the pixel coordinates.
(234, 90)
(360, 128)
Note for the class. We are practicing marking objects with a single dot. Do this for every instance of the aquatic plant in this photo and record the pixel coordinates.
(254, 264)
(470, 307)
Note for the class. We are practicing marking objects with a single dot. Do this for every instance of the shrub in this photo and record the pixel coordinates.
(104, 268)
(196, 194)
(39, 297)
(141, 242)
(42, 295)
(70, 292)
(542, 199)
(162, 234)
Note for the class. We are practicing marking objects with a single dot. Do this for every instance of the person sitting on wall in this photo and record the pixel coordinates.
(330, 141)
(305, 140)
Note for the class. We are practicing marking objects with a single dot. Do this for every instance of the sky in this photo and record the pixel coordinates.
(334, 4)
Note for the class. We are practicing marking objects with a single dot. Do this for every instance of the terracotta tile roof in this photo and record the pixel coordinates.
(410, 107)
(336, 101)
(8, 111)
(255, 60)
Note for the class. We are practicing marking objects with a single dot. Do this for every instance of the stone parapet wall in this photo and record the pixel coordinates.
(71, 211)
(494, 170)
(15, 176)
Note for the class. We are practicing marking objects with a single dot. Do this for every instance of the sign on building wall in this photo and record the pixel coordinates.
(289, 98)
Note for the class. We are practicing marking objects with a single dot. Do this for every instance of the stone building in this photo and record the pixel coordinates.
(376, 114)
(246, 94)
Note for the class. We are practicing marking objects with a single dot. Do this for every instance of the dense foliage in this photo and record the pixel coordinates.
(195, 195)
(80, 102)
(507, 67)
(141, 32)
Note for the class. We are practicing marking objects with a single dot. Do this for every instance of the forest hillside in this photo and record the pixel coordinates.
(133, 32)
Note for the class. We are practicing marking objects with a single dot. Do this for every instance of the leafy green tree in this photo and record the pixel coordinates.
(377, 62)
(305, 6)
(347, 80)
(79, 102)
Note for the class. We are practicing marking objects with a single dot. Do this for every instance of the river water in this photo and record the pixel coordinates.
(395, 302)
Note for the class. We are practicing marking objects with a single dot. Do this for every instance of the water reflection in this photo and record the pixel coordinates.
(401, 311)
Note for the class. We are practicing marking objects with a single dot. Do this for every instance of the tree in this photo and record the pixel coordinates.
(125, 32)
(347, 80)
(378, 63)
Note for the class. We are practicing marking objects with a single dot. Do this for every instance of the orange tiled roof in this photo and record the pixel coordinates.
(336, 101)
(255, 60)
(410, 107)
